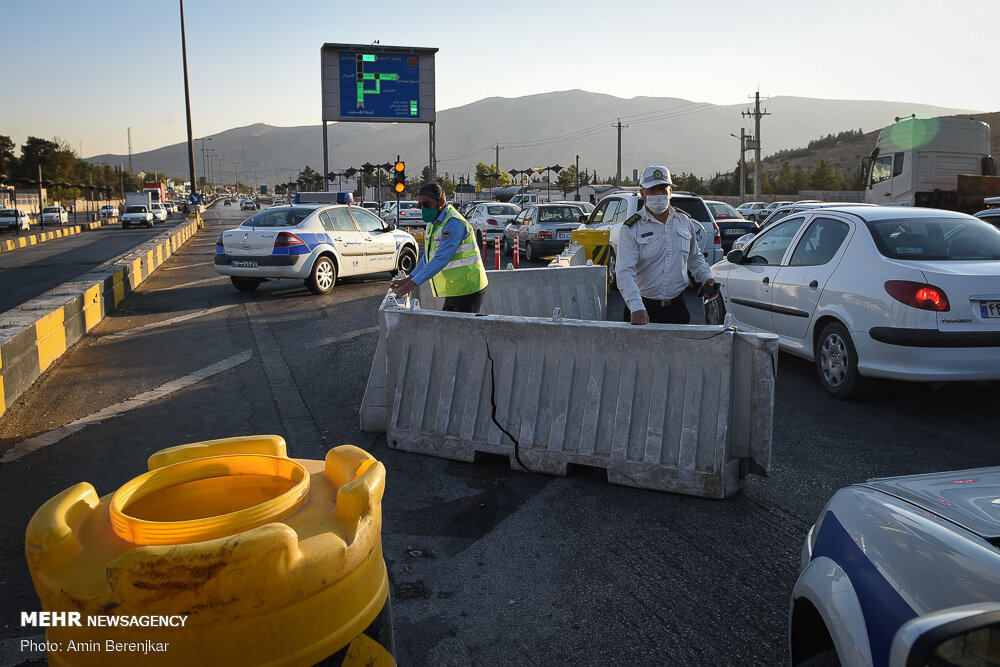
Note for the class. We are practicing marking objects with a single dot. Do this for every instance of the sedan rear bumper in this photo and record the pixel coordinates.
(262, 260)
(904, 359)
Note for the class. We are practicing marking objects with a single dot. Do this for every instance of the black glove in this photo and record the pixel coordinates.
(708, 291)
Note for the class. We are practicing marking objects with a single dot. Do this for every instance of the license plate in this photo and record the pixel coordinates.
(990, 309)
(243, 264)
(734, 232)
(565, 235)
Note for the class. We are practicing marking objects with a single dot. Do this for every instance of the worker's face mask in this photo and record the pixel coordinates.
(657, 204)
(427, 212)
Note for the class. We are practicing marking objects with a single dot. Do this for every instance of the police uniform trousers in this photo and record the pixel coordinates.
(663, 311)
(467, 303)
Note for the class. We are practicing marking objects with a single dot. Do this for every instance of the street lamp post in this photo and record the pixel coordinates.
(204, 165)
(577, 178)
(187, 104)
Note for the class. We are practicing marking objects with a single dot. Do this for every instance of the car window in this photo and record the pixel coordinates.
(558, 214)
(605, 211)
(366, 221)
(936, 239)
(337, 220)
(723, 211)
(770, 246)
(693, 207)
(820, 242)
(621, 212)
(135, 209)
(501, 210)
(882, 169)
(277, 217)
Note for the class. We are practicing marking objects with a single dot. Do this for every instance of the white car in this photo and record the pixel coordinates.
(137, 215)
(159, 212)
(614, 209)
(751, 208)
(873, 291)
(409, 214)
(490, 219)
(316, 243)
(902, 571)
(108, 211)
(14, 218)
(55, 215)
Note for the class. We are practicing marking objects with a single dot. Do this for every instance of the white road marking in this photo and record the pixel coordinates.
(337, 339)
(186, 266)
(166, 323)
(52, 437)
(190, 284)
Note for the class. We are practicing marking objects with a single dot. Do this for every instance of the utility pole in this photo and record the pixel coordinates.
(743, 163)
(577, 178)
(756, 114)
(618, 174)
(129, 154)
(187, 108)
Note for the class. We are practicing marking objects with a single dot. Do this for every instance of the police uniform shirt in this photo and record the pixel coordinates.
(653, 258)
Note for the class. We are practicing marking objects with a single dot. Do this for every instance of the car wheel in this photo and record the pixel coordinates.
(479, 239)
(323, 276)
(124, 225)
(245, 284)
(612, 266)
(407, 260)
(529, 255)
(837, 363)
(506, 248)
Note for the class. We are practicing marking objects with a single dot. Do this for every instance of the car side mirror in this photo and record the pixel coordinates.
(969, 632)
(735, 257)
(583, 219)
(390, 227)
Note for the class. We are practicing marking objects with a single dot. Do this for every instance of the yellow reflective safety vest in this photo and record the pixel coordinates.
(465, 273)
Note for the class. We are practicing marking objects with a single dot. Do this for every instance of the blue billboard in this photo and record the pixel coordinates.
(378, 85)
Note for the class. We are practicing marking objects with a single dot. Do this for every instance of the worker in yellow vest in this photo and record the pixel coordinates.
(451, 258)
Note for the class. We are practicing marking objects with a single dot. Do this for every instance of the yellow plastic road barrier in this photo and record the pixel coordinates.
(226, 552)
(596, 244)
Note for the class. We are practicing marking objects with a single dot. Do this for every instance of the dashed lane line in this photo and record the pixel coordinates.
(30, 445)
(337, 339)
(174, 320)
(190, 284)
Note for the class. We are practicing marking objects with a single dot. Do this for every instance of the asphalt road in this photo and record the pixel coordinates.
(486, 566)
(32, 271)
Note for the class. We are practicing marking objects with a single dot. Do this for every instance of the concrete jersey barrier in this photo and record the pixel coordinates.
(685, 409)
(579, 292)
(37, 332)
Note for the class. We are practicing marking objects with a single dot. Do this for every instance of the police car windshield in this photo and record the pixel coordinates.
(278, 217)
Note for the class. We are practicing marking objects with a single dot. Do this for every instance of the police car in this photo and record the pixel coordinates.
(316, 243)
(902, 571)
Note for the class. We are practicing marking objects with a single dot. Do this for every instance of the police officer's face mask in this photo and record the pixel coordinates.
(657, 204)
(428, 213)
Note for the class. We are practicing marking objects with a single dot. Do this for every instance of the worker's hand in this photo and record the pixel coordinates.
(402, 286)
(708, 289)
(640, 317)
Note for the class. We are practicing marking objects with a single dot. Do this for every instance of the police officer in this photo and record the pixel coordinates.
(451, 258)
(656, 248)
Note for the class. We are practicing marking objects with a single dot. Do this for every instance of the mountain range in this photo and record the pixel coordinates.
(538, 131)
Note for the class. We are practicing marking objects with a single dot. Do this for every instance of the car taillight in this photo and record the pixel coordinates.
(918, 295)
(287, 239)
(544, 235)
(491, 221)
(718, 235)
(219, 243)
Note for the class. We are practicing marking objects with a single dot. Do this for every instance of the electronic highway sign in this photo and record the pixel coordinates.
(375, 83)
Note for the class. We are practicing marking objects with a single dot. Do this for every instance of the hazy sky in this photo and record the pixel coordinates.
(84, 71)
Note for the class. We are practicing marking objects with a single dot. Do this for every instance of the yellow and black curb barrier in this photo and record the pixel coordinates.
(244, 556)
(37, 332)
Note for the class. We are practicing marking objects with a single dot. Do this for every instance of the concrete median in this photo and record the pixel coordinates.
(579, 292)
(685, 409)
(36, 333)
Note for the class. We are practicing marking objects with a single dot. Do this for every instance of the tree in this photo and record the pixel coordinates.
(7, 158)
(786, 183)
(484, 181)
(567, 179)
(823, 177)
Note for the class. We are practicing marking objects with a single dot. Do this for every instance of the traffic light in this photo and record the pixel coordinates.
(399, 177)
